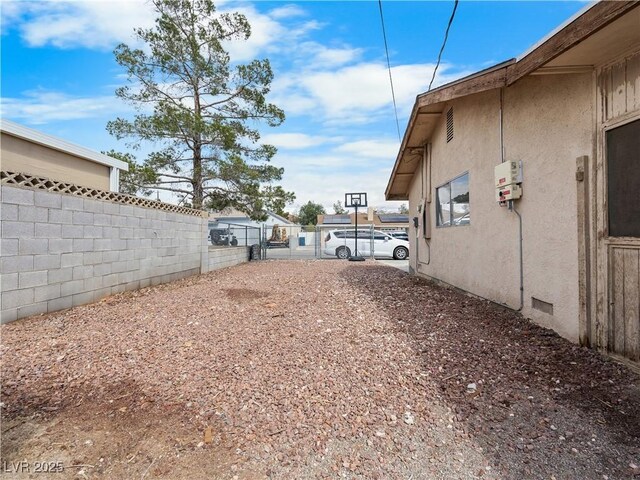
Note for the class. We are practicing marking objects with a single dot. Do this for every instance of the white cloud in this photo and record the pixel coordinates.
(325, 162)
(355, 94)
(40, 107)
(268, 33)
(287, 11)
(90, 23)
(295, 141)
(103, 24)
(315, 56)
(371, 148)
(10, 14)
(325, 176)
(307, 187)
(264, 32)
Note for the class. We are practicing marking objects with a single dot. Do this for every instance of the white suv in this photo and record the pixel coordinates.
(342, 244)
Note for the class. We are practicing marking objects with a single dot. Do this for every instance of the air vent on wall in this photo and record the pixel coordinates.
(541, 305)
(450, 125)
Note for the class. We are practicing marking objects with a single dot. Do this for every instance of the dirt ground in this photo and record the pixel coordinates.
(309, 369)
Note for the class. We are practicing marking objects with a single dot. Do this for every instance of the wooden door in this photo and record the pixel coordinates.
(622, 150)
(616, 324)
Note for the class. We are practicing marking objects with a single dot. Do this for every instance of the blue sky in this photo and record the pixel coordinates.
(59, 75)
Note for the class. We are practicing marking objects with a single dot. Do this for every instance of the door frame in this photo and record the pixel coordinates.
(599, 328)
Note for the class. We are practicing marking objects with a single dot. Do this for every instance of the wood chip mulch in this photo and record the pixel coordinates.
(329, 369)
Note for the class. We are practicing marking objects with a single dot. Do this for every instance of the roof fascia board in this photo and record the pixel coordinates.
(278, 217)
(557, 30)
(495, 77)
(55, 143)
(403, 145)
(582, 25)
(486, 79)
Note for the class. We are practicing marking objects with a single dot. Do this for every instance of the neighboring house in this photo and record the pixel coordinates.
(25, 150)
(240, 218)
(569, 110)
(235, 220)
(380, 221)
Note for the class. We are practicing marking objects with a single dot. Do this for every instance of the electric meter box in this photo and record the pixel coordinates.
(508, 192)
(507, 173)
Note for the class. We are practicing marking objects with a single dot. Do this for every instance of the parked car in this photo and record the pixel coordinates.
(463, 220)
(222, 236)
(342, 244)
(402, 235)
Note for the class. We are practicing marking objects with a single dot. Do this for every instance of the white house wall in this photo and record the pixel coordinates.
(548, 123)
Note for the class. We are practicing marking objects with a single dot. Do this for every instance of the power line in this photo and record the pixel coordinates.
(446, 36)
(386, 49)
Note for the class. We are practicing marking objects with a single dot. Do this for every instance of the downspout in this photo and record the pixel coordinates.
(417, 227)
(114, 179)
(501, 125)
(426, 163)
(512, 205)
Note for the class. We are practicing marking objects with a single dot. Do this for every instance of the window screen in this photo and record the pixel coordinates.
(623, 180)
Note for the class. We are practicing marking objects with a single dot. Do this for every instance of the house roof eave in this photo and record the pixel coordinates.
(582, 25)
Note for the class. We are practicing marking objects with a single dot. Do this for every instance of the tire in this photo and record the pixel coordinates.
(234, 242)
(401, 253)
(254, 252)
(343, 253)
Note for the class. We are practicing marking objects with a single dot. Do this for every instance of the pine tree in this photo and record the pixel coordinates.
(201, 109)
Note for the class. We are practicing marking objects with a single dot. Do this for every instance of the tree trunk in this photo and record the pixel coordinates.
(198, 187)
(198, 190)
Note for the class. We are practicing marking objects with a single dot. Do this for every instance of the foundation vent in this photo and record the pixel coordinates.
(450, 125)
(541, 305)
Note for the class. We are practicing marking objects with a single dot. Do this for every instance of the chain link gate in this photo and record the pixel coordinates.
(223, 234)
(311, 242)
(289, 242)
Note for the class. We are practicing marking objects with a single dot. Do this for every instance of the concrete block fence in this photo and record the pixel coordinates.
(61, 250)
(227, 257)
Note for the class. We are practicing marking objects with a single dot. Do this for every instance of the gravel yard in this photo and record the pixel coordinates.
(310, 369)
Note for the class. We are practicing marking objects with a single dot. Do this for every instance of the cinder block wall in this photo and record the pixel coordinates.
(227, 256)
(62, 250)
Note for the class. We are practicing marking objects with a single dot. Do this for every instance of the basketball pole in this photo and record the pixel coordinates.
(356, 199)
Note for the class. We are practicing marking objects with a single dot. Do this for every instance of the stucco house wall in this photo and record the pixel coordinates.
(34, 153)
(563, 101)
(20, 155)
(547, 123)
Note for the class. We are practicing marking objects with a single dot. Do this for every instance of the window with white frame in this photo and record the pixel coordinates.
(452, 202)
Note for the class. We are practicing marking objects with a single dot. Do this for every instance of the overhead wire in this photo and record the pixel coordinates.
(386, 49)
(444, 43)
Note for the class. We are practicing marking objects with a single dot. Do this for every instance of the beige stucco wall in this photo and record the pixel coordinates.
(19, 155)
(548, 122)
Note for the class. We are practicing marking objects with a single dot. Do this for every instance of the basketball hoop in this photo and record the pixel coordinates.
(355, 200)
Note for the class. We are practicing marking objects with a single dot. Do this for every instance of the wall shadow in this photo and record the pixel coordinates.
(541, 405)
